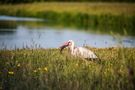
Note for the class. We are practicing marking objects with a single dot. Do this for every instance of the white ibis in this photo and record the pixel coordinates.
(78, 51)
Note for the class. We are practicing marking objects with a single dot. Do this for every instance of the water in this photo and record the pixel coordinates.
(25, 33)
(12, 18)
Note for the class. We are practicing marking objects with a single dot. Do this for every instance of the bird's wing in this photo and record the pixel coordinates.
(86, 53)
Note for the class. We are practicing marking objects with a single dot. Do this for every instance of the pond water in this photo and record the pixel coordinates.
(19, 32)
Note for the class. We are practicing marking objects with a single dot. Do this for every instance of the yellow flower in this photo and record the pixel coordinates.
(39, 68)
(76, 64)
(18, 65)
(11, 72)
(35, 71)
(45, 68)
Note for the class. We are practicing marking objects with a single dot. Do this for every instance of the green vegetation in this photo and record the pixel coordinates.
(71, 8)
(47, 69)
(104, 17)
(29, 1)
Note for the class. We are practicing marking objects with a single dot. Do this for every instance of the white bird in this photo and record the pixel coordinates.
(78, 51)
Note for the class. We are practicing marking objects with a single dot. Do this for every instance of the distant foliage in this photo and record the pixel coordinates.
(29, 1)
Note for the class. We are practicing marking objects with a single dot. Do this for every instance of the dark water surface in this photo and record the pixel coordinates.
(35, 33)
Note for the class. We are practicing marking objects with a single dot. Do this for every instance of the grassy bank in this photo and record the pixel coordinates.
(41, 69)
(105, 17)
(87, 8)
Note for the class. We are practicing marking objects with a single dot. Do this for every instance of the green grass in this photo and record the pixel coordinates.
(87, 8)
(47, 69)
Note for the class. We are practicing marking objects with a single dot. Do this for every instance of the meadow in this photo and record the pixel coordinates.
(47, 69)
(100, 17)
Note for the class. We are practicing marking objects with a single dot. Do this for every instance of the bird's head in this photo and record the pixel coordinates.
(66, 44)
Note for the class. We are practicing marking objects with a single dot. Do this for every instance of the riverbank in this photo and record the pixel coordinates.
(60, 7)
(48, 69)
(104, 17)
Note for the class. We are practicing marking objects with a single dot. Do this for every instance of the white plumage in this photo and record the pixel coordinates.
(79, 51)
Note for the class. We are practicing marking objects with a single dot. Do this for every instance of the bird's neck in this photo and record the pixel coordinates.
(72, 48)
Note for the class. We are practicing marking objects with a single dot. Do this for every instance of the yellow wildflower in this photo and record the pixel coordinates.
(39, 68)
(18, 65)
(76, 64)
(11, 72)
(45, 68)
(35, 71)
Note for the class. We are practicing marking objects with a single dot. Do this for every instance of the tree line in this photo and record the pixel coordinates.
(30, 1)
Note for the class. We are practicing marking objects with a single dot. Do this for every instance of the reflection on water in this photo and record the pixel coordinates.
(20, 35)
(12, 18)
(7, 25)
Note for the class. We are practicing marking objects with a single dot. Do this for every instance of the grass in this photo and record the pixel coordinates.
(47, 69)
(87, 8)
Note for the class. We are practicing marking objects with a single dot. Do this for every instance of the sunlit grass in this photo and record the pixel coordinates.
(89, 8)
(48, 69)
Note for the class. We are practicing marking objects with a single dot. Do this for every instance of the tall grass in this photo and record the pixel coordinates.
(59, 7)
(41, 69)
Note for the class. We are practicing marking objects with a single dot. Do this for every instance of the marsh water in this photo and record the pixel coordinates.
(20, 32)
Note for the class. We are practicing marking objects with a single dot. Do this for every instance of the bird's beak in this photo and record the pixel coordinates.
(63, 46)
